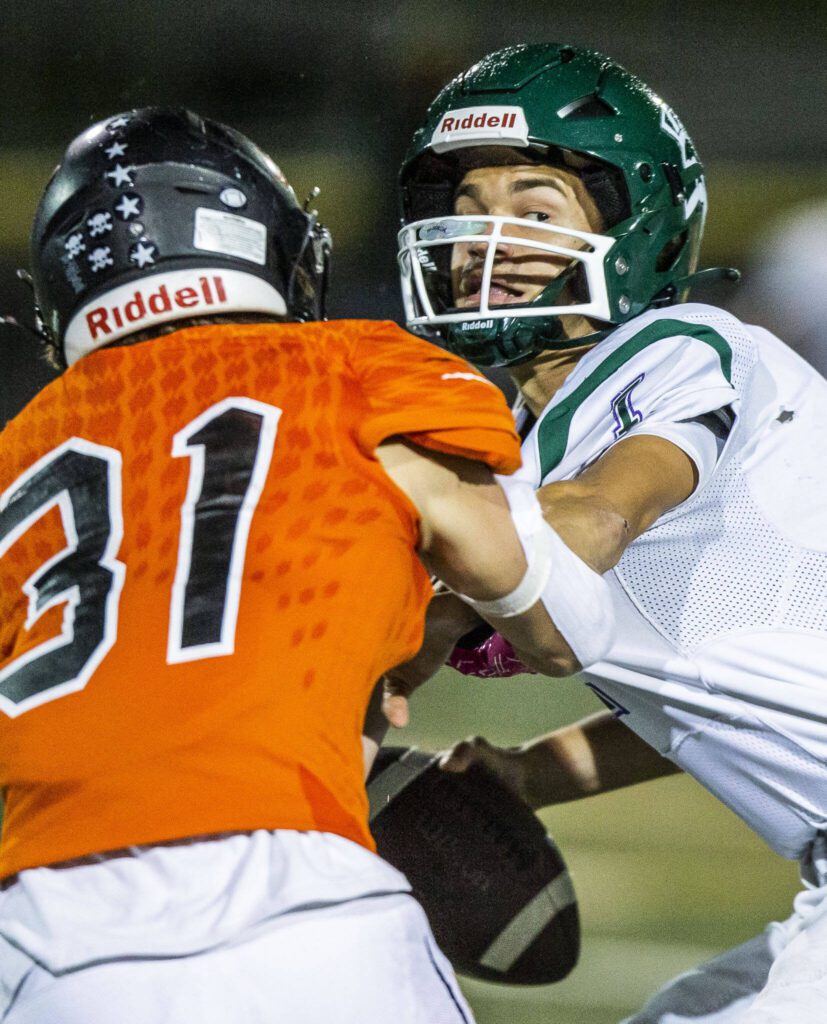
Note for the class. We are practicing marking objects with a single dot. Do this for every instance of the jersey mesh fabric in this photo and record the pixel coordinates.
(331, 594)
(696, 581)
(695, 574)
(739, 339)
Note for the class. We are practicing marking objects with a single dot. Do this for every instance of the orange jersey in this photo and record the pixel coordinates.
(203, 571)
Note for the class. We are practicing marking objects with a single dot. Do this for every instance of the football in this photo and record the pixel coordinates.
(494, 885)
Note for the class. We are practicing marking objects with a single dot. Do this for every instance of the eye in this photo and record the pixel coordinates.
(537, 215)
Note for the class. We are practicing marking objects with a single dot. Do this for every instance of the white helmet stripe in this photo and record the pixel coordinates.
(162, 297)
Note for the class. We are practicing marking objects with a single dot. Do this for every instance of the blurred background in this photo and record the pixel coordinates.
(666, 876)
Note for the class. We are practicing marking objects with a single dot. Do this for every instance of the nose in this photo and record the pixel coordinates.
(479, 247)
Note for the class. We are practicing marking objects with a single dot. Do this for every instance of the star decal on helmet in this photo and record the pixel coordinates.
(143, 253)
(130, 206)
(133, 176)
(120, 175)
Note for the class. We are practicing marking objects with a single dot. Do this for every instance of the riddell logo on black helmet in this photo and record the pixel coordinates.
(110, 317)
(480, 126)
(164, 297)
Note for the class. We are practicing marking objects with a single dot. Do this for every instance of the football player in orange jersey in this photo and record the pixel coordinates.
(214, 532)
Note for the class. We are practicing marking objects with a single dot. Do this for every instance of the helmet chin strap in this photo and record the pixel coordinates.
(667, 296)
(510, 342)
(513, 340)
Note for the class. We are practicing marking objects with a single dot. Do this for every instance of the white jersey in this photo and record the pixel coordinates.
(721, 656)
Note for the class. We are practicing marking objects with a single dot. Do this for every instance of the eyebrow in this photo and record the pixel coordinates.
(520, 185)
(524, 184)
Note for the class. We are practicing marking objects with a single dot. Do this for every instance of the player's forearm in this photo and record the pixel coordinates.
(595, 755)
(596, 532)
(448, 618)
(559, 617)
(374, 729)
(486, 539)
(618, 498)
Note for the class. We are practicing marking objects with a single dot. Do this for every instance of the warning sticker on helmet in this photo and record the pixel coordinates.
(227, 233)
(480, 126)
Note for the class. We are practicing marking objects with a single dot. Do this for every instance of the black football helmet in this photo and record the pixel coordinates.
(158, 214)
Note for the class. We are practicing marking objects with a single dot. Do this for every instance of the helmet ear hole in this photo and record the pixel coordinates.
(670, 253)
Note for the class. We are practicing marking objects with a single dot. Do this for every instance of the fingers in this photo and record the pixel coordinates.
(503, 762)
(396, 710)
(462, 755)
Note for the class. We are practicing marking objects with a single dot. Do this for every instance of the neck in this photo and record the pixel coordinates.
(541, 379)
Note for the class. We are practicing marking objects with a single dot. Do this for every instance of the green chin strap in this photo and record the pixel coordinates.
(503, 342)
(513, 340)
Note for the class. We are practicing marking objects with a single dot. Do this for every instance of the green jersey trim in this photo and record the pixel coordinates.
(554, 428)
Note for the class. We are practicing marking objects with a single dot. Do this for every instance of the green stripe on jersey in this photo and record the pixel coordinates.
(553, 432)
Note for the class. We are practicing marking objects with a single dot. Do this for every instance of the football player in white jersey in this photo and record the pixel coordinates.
(553, 208)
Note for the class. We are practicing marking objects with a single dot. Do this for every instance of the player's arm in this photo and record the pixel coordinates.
(600, 513)
(634, 483)
(595, 755)
(597, 516)
(637, 480)
(492, 548)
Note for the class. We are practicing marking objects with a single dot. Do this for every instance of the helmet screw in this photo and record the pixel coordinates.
(618, 137)
(136, 230)
(623, 304)
(621, 266)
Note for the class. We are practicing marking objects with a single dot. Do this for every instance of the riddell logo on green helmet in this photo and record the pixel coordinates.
(480, 126)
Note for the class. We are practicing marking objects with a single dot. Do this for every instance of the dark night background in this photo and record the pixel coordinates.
(334, 93)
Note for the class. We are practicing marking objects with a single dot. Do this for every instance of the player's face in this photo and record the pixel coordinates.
(532, 192)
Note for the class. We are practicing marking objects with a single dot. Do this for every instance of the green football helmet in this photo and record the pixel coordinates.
(567, 107)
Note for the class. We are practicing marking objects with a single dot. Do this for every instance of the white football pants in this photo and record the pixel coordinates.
(779, 977)
(151, 939)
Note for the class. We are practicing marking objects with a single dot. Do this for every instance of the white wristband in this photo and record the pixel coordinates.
(577, 598)
(530, 588)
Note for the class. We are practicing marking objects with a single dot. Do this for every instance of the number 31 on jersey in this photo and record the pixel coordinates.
(230, 446)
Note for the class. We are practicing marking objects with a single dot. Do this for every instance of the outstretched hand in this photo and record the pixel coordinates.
(507, 763)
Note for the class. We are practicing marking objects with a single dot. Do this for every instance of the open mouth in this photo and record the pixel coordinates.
(500, 292)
